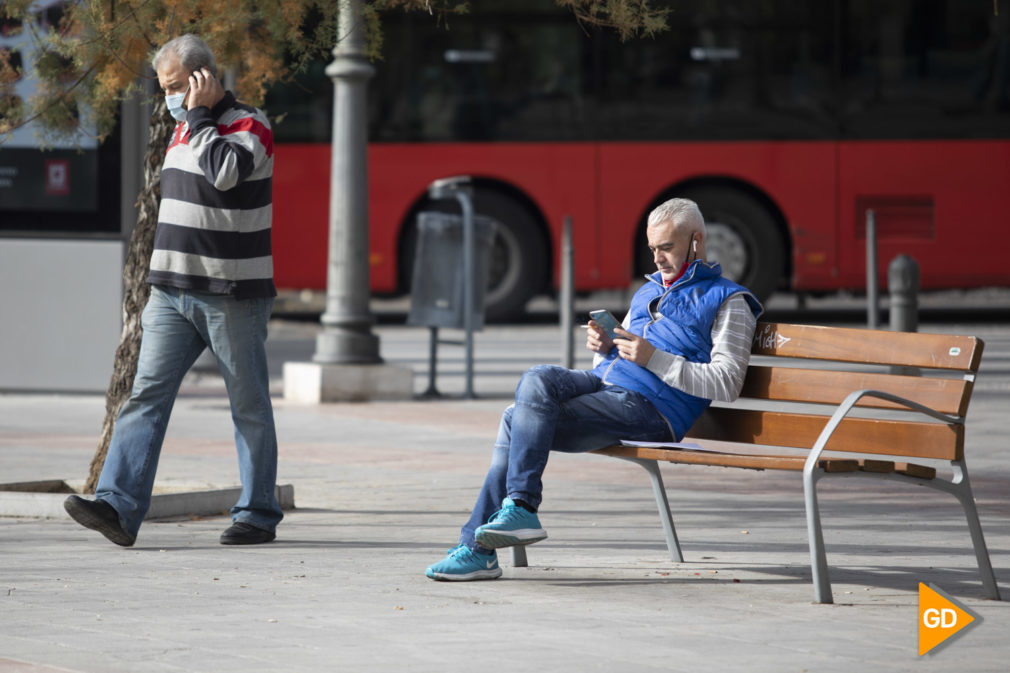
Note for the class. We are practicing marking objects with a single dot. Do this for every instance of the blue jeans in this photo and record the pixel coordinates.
(557, 409)
(178, 325)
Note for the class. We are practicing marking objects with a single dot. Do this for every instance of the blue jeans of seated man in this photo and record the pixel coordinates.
(557, 409)
(178, 325)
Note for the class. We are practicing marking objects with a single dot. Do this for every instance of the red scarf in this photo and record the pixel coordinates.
(683, 269)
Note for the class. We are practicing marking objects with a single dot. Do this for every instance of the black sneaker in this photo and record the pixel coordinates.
(98, 515)
(244, 533)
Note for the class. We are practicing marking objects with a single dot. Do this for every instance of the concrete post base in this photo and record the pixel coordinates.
(313, 383)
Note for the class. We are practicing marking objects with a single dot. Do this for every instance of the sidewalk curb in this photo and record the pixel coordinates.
(44, 500)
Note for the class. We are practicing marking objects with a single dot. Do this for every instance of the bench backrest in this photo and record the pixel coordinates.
(796, 366)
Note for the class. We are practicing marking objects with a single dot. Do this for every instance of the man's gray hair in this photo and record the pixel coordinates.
(192, 51)
(679, 211)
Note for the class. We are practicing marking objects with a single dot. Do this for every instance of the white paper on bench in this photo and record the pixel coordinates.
(687, 446)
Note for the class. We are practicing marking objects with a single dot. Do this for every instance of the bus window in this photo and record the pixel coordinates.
(494, 75)
(724, 71)
(925, 70)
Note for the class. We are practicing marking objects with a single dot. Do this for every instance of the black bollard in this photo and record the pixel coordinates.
(903, 286)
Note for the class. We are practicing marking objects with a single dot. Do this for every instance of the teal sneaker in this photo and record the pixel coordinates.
(510, 526)
(464, 564)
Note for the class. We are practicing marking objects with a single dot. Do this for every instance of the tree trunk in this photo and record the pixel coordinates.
(135, 287)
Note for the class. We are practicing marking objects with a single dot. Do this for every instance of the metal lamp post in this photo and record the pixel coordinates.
(347, 337)
(346, 365)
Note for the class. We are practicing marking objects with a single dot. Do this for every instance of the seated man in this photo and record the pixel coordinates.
(685, 341)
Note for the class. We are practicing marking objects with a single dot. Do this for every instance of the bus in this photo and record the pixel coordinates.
(786, 120)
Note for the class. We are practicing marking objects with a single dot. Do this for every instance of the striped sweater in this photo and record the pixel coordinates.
(216, 192)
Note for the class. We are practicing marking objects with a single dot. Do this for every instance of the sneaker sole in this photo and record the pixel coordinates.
(84, 517)
(475, 575)
(496, 539)
(246, 540)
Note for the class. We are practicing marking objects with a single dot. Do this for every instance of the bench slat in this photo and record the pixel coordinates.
(878, 466)
(854, 435)
(913, 470)
(720, 459)
(908, 469)
(764, 461)
(949, 396)
(846, 344)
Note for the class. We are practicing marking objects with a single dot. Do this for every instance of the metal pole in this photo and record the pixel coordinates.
(566, 307)
(432, 390)
(872, 302)
(469, 279)
(347, 337)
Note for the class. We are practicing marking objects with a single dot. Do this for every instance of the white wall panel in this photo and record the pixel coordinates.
(60, 304)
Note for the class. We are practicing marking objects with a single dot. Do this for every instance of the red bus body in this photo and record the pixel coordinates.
(945, 203)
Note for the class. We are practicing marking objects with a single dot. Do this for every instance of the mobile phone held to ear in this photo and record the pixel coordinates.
(606, 321)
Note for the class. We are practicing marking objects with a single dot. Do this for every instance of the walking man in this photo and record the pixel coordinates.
(211, 287)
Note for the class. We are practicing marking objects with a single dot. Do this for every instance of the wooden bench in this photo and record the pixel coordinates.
(892, 397)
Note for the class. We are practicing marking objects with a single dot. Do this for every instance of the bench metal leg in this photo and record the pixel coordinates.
(964, 496)
(959, 487)
(818, 557)
(672, 543)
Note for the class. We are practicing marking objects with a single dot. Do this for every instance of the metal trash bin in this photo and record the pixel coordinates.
(438, 280)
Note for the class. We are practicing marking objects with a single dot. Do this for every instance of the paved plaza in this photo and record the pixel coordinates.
(380, 491)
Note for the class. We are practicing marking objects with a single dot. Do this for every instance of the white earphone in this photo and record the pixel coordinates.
(695, 247)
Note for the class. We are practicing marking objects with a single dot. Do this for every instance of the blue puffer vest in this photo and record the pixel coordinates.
(688, 309)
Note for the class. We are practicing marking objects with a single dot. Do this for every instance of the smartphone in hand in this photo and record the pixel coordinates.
(606, 321)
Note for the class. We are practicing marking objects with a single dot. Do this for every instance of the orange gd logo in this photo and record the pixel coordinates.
(940, 618)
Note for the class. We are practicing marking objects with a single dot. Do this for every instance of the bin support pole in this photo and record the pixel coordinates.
(567, 304)
(432, 390)
(466, 204)
(872, 302)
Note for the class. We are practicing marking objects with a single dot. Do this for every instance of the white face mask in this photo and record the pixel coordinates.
(174, 102)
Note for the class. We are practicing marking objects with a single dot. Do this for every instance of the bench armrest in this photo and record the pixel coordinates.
(846, 406)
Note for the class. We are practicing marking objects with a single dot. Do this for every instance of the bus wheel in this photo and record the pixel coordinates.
(742, 236)
(518, 258)
(518, 265)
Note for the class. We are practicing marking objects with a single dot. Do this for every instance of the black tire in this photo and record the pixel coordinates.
(519, 257)
(741, 235)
